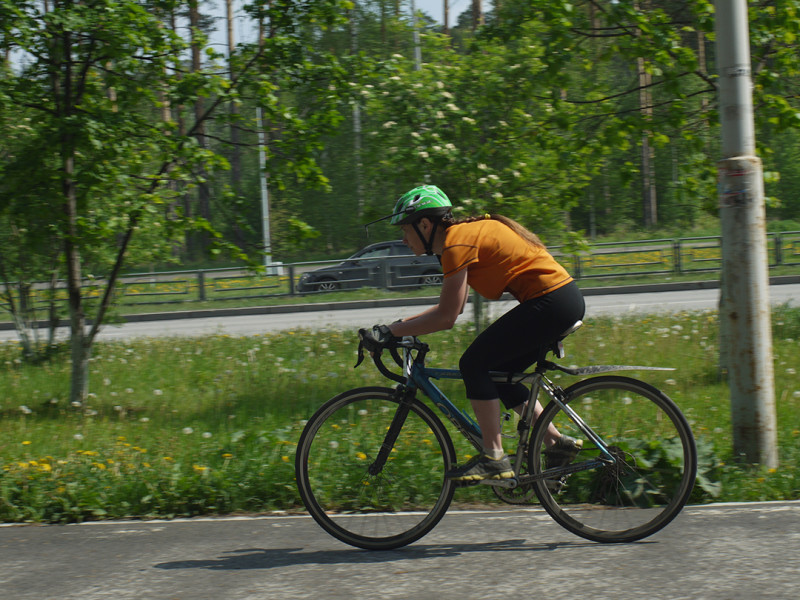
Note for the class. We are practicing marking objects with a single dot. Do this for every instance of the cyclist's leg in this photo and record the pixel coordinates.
(512, 343)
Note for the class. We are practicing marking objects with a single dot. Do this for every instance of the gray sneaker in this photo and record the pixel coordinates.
(482, 467)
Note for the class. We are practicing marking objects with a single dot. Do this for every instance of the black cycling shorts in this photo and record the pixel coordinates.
(513, 342)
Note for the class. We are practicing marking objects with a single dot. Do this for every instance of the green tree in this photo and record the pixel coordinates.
(93, 78)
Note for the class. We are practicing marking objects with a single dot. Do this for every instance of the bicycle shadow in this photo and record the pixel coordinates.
(260, 558)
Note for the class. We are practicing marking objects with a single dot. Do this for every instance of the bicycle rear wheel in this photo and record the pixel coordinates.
(654, 469)
(352, 496)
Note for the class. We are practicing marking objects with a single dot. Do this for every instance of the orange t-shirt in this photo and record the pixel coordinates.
(498, 260)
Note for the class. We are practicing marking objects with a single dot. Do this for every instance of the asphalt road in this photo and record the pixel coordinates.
(714, 552)
(253, 324)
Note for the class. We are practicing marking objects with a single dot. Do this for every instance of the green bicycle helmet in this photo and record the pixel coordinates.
(422, 201)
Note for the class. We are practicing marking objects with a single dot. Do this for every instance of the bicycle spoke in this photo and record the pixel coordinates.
(652, 473)
(364, 502)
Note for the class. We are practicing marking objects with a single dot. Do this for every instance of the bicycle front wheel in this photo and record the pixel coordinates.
(652, 472)
(356, 495)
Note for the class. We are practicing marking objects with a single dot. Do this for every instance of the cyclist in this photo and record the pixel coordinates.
(492, 254)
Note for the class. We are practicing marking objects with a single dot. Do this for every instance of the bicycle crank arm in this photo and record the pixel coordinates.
(509, 484)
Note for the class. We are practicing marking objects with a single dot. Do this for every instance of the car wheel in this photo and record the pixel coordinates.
(431, 278)
(327, 285)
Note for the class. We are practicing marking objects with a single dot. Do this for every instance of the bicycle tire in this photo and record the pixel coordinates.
(387, 510)
(655, 469)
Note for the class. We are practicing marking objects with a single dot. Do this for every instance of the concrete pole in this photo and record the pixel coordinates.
(262, 169)
(745, 335)
(415, 26)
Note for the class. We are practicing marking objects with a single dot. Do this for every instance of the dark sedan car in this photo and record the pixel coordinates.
(385, 264)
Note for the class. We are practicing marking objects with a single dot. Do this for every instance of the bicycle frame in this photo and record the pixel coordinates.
(419, 376)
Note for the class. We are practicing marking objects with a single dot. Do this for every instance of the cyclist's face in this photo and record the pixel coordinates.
(411, 239)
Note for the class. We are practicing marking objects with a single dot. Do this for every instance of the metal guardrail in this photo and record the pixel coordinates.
(605, 260)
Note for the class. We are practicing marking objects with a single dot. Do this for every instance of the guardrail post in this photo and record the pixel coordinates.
(201, 285)
(576, 268)
(383, 275)
(778, 249)
(676, 256)
(291, 280)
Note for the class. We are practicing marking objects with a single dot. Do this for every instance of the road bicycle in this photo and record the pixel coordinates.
(371, 462)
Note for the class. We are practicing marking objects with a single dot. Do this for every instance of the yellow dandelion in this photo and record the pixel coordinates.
(227, 455)
(26, 443)
(285, 458)
(361, 456)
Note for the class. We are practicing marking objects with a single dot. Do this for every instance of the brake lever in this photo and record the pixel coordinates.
(360, 354)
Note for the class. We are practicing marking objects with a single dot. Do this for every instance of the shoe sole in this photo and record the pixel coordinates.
(468, 478)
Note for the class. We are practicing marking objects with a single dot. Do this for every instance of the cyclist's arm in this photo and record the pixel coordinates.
(452, 299)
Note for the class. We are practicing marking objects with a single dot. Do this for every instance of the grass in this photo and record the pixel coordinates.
(180, 427)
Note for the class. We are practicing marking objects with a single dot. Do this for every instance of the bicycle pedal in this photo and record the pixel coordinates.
(556, 485)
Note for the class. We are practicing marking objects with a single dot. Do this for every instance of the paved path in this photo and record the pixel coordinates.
(613, 304)
(714, 552)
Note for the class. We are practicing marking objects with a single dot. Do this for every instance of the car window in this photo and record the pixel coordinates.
(376, 252)
(401, 250)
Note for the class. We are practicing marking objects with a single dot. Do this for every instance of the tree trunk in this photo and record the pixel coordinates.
(203, 193)
(649, 197)
(64, 94)
(236, 155)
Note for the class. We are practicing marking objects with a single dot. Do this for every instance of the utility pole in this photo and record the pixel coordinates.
(745, 335)
(415, 27)
(262, 169)
(356, 118)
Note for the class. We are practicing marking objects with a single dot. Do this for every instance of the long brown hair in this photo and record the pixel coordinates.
(520, 230)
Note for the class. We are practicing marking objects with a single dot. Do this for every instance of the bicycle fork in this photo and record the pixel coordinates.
(399, 419)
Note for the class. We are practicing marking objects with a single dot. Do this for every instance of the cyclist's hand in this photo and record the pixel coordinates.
(377, 338)
(374, 340)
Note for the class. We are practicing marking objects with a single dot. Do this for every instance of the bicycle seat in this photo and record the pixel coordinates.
(577, 325)
(558, 346)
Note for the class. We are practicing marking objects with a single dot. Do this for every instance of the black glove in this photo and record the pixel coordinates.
(377, 338)
(374, 340)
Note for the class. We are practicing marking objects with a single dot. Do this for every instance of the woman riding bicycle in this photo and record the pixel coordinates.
(492, 254)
